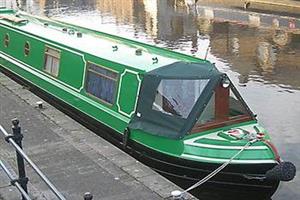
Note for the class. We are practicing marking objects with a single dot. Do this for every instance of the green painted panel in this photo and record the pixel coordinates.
(72, 69)
(161, 144)
(71, 65)
(129, 87)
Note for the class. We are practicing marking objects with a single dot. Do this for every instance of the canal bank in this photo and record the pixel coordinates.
(74, 158)
(285, 17)
(287, 7)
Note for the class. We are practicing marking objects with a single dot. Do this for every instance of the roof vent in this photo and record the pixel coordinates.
(65, 30)
(79, 35)
(71, 32)
(138, 52)
(155, 60)
(46, 24)
(115, 48)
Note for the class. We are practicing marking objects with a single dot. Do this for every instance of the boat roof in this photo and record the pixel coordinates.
(100, 44)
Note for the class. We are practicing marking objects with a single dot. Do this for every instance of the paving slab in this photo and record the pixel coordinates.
(75, 159)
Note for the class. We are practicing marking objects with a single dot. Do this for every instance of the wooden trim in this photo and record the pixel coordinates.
(220, 123)
(221, 102)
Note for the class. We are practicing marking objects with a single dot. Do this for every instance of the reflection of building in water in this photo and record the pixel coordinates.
(158, 18)
(265, 56)
(140, 14)
(204, 25)
(181, 6)
(14, 4)
(280, 37)
(151, 17)
(122, 10)
(51, 7)
(173, 23)
(30, 6)
(272, 55)
(173, 26)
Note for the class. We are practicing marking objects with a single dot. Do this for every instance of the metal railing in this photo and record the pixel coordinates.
(15, 139)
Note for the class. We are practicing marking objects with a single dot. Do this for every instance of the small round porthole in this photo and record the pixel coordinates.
(6, 40)
(26, 48)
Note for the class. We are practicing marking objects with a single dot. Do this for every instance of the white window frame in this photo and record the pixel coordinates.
(53, 68)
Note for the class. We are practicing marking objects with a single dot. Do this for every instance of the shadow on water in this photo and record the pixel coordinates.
(262, 61)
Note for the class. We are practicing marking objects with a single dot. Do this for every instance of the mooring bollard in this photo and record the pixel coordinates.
(87, 196)
(177, 195)
(17, 136)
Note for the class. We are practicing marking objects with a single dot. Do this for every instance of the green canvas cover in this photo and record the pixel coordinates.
(176, 81)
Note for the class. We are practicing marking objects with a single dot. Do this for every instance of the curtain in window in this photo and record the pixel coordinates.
(101, 87)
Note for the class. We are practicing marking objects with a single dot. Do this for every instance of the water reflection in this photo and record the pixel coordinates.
(263, 61)
(266, 56)
(174, 24)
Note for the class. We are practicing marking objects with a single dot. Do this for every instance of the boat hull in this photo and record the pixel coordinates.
(233, 182)
(236, 181)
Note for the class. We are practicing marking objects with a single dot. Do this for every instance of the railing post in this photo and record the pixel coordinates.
(87, 196)
(17, 136)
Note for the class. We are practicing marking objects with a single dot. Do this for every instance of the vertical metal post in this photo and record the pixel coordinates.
(17, 136)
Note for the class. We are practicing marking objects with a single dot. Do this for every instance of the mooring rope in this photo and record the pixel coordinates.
(216, 171)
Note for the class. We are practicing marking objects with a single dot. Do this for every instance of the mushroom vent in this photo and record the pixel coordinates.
(79, 34)
(138, 52)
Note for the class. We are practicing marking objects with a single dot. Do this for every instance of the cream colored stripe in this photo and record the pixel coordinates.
(218, 160)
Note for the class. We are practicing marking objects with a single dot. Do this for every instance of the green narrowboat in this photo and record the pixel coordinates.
(177, 113)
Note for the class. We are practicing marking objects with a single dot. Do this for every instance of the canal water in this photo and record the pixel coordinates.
(261, 57)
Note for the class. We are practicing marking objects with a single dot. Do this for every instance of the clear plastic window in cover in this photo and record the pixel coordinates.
(178, 97)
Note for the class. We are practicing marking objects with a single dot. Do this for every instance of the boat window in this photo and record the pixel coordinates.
(52, 58)
(223, 108)
(6, 40)
(26, 48)
(178, 97)
(101, 83)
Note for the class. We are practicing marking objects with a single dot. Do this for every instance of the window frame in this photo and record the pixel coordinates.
(53, 56)
(6, 40)
(28, 48)
(230, 120)
(104, 76)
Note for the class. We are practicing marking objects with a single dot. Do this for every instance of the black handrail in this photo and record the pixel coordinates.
(15, 140)
(14, 181)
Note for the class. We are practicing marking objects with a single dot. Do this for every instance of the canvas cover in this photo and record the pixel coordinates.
(177, 122)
